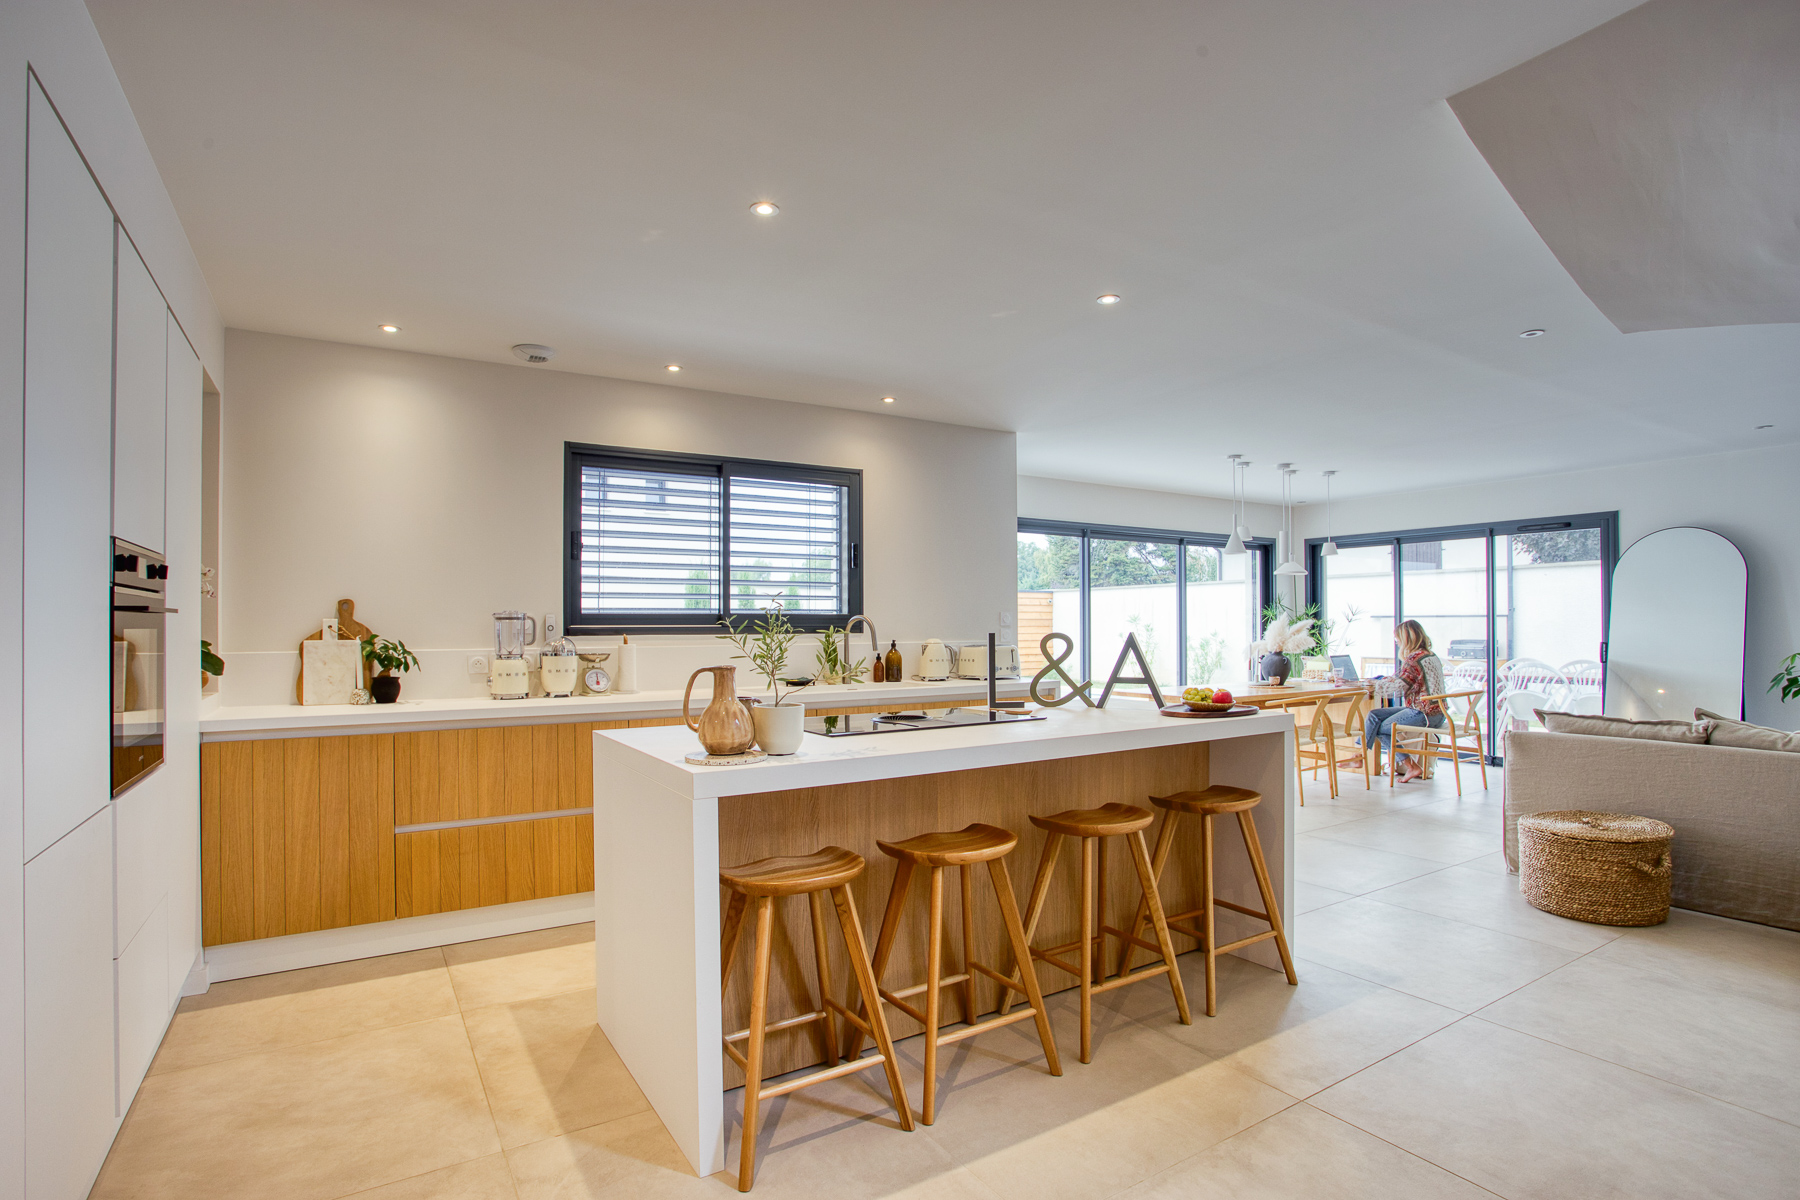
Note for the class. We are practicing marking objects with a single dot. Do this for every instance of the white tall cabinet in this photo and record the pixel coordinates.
(112, 437)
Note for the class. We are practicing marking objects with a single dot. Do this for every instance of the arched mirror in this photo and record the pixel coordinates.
(1676, 638)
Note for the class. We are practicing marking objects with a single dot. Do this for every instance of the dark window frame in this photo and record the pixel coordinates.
(723, 468)
(1264, 574)
(1606, 522)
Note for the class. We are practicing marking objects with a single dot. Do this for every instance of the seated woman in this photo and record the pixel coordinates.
(1421, 674)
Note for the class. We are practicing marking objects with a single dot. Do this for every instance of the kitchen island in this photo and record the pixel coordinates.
(663, 827)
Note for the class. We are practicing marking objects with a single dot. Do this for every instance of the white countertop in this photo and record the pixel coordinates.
(226, 722)
(659, 754)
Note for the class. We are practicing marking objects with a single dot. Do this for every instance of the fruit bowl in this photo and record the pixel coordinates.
(1206, 706)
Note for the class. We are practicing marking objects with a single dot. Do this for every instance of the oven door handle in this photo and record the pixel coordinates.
(144, 608)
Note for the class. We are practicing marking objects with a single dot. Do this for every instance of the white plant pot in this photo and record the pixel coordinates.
(779, 727)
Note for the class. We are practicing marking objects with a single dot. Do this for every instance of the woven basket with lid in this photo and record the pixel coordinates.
(1606, 868)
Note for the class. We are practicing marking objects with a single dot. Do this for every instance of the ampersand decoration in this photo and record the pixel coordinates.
(1053, 664)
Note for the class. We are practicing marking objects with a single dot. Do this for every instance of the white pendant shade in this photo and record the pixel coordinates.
(1328, 550)
(1235, 544)
(1285, 543)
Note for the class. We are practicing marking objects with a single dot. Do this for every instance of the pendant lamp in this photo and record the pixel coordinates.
(1235, 543)
(1330, 547)
(1288, 565)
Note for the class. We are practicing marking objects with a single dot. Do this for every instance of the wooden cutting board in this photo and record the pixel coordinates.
(348, 628)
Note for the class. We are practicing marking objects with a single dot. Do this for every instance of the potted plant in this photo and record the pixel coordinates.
(834, 658)
(389, 657)
(210, 664)
(1283, 637)
(779, 726)
(1788, 678)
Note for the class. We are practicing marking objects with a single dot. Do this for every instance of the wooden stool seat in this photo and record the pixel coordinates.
(1213, 801)
(1109, 820)
(794, 874)
(978, 843)
(759, 885)
(938, 852)
(1092, 826)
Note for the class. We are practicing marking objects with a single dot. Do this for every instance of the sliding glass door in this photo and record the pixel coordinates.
(1192, 607)
(1516, 610)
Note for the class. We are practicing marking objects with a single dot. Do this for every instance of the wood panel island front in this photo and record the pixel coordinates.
(663, 827)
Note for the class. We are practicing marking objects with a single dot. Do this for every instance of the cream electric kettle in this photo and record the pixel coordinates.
(934, 660)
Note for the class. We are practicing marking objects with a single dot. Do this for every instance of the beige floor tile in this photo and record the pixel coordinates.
(307, 1122)
(548, 1068)
(1143, 1104)
(1355, 869)
(629, 1158)
(1493, 863)
(479, 1179)
(1681, 1029)
(1318, 814)
(1448, 962)
(1302, 1152)
(522, 966)
(1478, 896)
(1479, 810)
(1525, 1118)
(1304, 1037)
(1403, 833)
(1310, 896)
(1733, 956)
(244, 1016)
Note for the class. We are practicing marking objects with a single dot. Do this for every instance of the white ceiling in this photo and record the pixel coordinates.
(1316, 263)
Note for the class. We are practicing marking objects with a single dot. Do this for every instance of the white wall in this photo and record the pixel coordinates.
(1099, 504)
(430, 490)
(56, 38)
(1750, 496)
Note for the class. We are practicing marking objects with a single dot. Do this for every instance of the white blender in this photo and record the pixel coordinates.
(509, 674)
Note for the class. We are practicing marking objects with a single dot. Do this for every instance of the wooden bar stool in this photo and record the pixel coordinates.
(1215, 801)
(1093, 826)
(761, 883)
(962, 849)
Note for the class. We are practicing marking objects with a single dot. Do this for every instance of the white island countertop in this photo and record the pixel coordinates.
(234, 722)
(659, 754)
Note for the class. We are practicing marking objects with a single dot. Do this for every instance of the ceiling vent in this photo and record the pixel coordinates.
(533, 353)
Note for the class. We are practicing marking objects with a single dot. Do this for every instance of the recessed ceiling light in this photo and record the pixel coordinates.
(673, 367)
(890, 400)
(1532, 333)
(765, 208)
(390, 329)
(1109, 298)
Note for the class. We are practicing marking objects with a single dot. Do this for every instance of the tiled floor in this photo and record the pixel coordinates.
(1446, 1041)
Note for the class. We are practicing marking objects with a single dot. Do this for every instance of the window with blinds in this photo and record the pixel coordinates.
(673, 541)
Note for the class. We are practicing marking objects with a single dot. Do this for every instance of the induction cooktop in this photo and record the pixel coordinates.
(857, 724)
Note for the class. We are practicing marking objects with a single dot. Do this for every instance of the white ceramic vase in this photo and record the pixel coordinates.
(779, 727)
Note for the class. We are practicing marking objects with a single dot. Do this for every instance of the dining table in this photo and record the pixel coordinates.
(1269, 695)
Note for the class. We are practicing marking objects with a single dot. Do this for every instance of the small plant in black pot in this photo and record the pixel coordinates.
(389, 657)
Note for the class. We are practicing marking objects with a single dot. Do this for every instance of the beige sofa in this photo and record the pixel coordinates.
(1736, 812)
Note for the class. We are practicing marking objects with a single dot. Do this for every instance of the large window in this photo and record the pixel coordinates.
(1192, 606)
(675, 541)
(1517, 611)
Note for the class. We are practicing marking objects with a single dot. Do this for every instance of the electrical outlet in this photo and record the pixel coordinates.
(552, 630)
(1006, 618)
(478, 664)
(531, 660)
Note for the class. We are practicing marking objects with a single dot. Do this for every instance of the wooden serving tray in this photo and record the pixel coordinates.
(1236, 710)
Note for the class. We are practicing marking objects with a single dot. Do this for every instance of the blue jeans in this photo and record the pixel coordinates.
(1381, 722)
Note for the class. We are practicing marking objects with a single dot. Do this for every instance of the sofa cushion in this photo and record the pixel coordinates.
(1691, 732)
(1727, 731)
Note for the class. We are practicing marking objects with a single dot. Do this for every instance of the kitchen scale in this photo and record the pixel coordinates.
(857, 724)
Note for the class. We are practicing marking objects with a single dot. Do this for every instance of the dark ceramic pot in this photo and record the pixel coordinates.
(385, 688)
(1276, 668)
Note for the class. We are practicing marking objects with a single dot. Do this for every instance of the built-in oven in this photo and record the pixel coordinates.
(139, 646)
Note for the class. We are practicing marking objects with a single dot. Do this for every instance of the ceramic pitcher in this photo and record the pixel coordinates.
(725, 726)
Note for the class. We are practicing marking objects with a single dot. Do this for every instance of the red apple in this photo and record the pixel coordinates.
(1221, 696)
